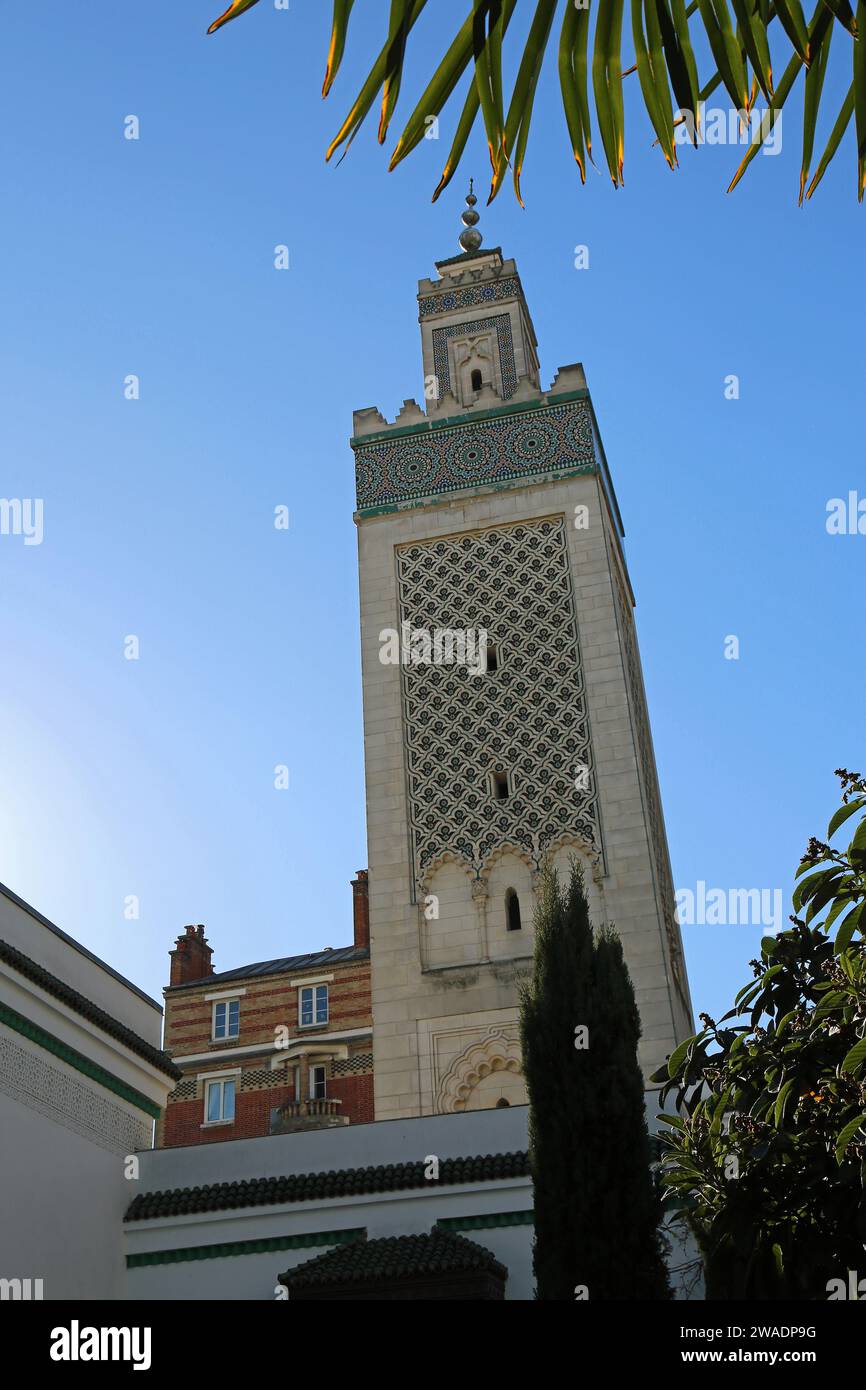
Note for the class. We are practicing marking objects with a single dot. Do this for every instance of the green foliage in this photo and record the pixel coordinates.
(768, 1159)
(597, 1210)
(739, 39)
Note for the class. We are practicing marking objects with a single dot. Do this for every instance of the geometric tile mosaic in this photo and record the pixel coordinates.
(528, 717)
(448, 459)
(468, 296)
(501, 323)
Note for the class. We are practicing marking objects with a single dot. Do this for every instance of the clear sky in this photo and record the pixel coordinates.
(155, 257)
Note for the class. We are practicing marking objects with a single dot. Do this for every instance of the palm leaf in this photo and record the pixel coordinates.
(487, 48)
(653, 99)
(680, 57)
(607, 84)
(811, 101)
(754, 38)
(576, 113)
(437, 92)
(843, 12)
(725, 50)
(398, 32)
(236, 8)
(339, 30)
(793, 21)
(470, 110)
(817, 30)
(367, 95)
(860, 97)
(523, 96)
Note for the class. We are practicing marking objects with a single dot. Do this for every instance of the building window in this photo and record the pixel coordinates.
(492, 657)
(227, 1018)
(219, 1102)
(318, 1085)
(503, 1104)
(500, 786)
(477, 382)
(512, 910)
(313, 1005)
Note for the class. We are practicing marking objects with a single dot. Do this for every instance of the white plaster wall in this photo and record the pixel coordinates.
(62, 1200)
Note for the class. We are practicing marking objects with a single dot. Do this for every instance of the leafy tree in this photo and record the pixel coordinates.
(767, 1159)
(737, 41)
(597, 1210)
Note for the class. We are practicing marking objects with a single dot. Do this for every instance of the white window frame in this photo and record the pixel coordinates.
(225, 1003)
(318, 1067)
(222, 1082)
(315, 1022)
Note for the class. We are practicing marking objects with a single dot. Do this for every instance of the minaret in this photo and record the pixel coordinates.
(504, 711)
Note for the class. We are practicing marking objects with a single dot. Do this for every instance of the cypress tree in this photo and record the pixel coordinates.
(597, 1208)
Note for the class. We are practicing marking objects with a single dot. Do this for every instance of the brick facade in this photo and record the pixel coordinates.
(269, 1049)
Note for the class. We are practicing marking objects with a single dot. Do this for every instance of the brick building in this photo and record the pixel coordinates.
(269, 1048)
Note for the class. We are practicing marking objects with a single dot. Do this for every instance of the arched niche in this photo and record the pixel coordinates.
(450, 926)
(510, 899)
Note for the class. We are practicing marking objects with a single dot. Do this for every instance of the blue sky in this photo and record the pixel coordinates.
(154, 777)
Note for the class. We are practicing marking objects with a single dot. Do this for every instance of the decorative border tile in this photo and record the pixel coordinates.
(501, 324)
(430, 462)
(35, 1083)
(468, 296)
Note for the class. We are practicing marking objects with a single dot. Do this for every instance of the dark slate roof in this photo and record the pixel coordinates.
(395, 1257)
(309, 1187)
(341, 956)
(73, 1000)
(470, 255)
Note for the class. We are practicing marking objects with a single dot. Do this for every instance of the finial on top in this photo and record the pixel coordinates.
(470, 239)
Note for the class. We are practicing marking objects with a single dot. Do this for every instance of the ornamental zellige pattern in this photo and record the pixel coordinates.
(39, 1085)
(528, 717)
(493, 451)
(467, 296)
(500, 324)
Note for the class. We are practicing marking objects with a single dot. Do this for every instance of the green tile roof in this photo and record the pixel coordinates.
(395, 1257)
(31, 970)
(310, 1187)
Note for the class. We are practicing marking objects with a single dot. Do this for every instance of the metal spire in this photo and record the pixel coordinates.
(470, 239)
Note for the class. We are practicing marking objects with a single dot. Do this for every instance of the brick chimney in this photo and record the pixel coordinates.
(361, 908)
(190, 959)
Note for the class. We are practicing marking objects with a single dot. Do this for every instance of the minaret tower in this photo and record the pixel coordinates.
(488, 523)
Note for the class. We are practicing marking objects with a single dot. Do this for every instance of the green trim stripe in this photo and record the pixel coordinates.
(245, 1247)
(502, 485)
(77, 1059)
(487, 1221)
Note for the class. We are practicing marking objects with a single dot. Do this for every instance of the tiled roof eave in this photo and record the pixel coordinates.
(65, 994)
(310, 1187)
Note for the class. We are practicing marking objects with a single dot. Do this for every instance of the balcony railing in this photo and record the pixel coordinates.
(303, 1114)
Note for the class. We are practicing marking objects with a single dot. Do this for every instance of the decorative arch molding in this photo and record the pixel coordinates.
(507, 850)
(499, 1051)
(425, 889)
(424, 884)
(584, 849)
